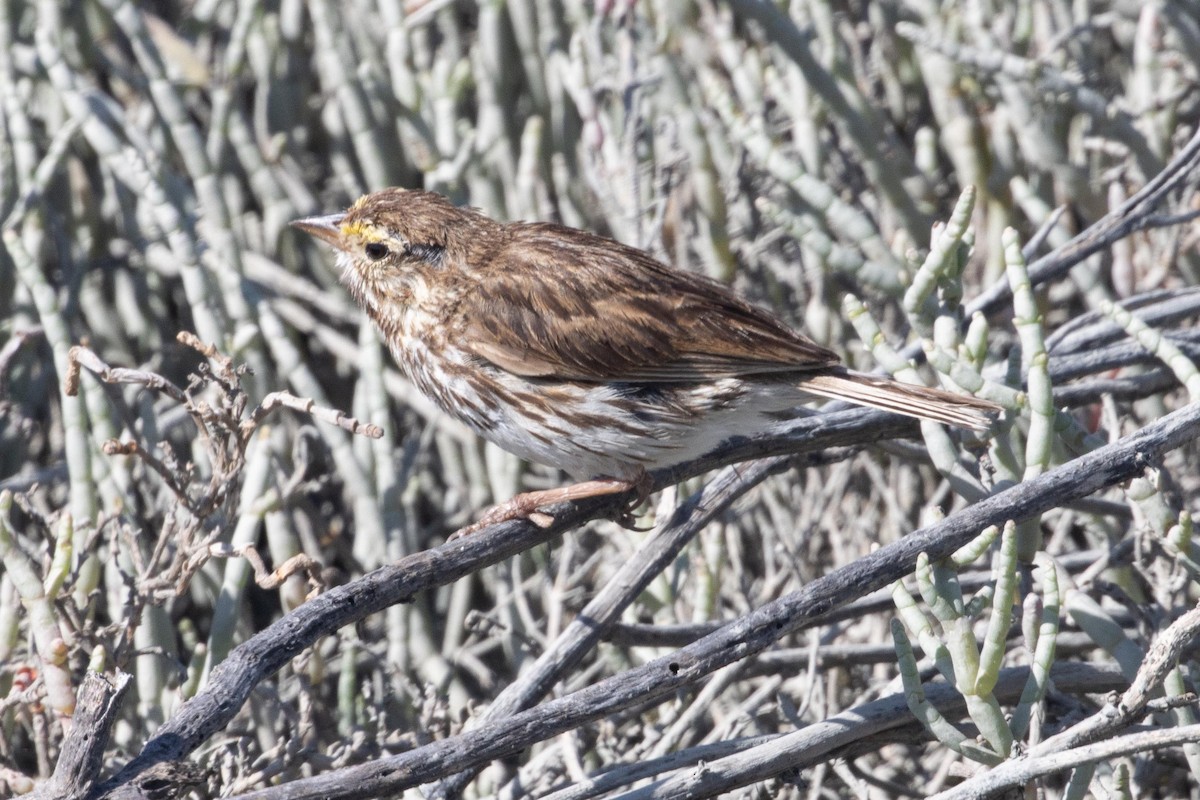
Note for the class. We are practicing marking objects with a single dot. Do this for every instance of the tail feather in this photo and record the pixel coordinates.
(908, 399)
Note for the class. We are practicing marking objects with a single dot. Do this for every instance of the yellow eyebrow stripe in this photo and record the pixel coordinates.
(362, 230)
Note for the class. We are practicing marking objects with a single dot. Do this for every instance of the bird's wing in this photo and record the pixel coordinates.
(556, 302)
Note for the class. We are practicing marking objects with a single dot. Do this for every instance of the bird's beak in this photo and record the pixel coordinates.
(328, 228)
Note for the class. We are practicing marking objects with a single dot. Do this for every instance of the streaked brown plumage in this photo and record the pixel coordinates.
(576, 351)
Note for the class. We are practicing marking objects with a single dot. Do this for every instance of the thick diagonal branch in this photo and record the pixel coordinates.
(212, 709)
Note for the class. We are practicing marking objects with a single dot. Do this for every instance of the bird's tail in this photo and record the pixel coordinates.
(908, 399)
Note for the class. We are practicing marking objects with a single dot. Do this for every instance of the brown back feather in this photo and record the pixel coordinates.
(559, 302)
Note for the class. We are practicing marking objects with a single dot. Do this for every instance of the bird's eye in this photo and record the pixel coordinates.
(376, 250)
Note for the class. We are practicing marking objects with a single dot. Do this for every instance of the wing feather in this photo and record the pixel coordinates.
(557, 302)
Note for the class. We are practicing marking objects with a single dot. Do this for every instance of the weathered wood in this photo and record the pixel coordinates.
(662, 677)
(82, 754)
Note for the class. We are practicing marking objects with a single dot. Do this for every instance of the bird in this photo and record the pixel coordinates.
(576, 351)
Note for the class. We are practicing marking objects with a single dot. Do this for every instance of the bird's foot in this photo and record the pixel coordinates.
(643, 487)
(526, 504)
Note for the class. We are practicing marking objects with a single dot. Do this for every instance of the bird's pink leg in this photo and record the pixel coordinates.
(526, 504)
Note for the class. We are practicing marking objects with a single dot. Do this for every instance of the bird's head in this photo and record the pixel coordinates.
(391, 243)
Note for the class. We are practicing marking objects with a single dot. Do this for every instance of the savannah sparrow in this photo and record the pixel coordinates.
(576, 351)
